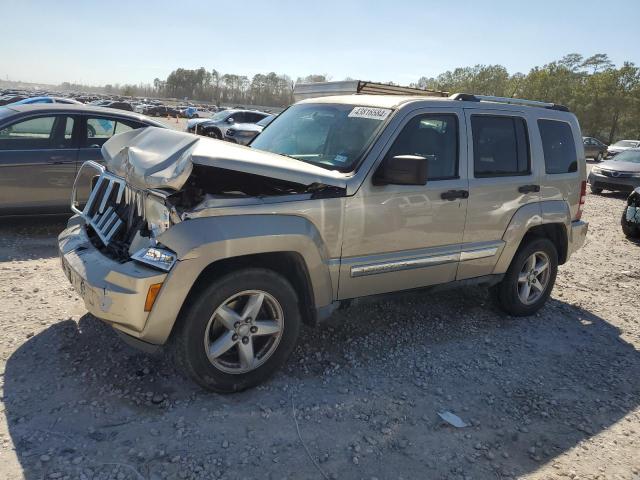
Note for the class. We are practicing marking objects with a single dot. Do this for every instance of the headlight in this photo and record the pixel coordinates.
(596, 170)
(156, 214)
(156, 257)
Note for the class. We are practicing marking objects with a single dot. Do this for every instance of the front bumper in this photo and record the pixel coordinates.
(112, 291)
(578, 236)
(621, 184)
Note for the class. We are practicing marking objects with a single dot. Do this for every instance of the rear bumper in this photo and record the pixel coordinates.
(578, 236)
(112, 291)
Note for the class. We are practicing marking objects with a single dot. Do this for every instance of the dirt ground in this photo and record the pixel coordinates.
(551, 396)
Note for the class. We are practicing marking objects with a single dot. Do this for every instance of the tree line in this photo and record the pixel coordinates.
(605, 98)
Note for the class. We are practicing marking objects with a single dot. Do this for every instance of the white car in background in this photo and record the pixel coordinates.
(621, 146)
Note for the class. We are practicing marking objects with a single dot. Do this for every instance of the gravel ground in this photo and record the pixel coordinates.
(550, 396)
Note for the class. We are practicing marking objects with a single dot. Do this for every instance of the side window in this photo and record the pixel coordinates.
(31, 134)
(435, 137)
(557, 143)
(122, 127)
(500, 146)
(99, 130)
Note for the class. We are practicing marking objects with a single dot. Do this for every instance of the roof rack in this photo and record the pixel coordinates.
(468, 97)
(302, 91)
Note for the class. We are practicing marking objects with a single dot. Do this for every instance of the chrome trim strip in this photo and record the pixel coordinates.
(386, 267)
(478, 253)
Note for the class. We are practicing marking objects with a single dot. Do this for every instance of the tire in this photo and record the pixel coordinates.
(630, 230)
(214, 134)
(595, 190)
(228, 370)
(508, 293)
(599, 157)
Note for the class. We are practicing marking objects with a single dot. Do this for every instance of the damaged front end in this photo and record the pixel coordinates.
(155, 178)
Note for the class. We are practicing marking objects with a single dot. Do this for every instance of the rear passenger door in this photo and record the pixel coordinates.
(38, 164)
(502, 178)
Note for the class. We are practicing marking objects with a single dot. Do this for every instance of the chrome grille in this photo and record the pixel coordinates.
(111, 206)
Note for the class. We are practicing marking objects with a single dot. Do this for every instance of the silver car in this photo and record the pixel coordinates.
(621, 146)
(243, 133)
(621, 173)
(222, 252)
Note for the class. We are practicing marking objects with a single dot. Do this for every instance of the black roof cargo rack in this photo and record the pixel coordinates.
(469, 97)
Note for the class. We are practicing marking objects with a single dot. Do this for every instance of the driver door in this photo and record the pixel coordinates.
(406, 236)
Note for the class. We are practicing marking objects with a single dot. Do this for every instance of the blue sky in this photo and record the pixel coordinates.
(133, 41)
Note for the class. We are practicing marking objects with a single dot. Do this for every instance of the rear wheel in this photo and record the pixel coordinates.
(529, 279)
(238, 331)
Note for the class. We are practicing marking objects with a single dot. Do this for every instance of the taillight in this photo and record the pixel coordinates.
(583, 198)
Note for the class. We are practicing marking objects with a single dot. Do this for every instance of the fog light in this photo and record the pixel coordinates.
(152, 294)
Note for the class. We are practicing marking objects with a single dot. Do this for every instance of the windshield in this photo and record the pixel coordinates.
(626, 143)
(220, 116)
(330, 136)
(632, 156)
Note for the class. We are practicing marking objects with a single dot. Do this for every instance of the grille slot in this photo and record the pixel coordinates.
(111, 206)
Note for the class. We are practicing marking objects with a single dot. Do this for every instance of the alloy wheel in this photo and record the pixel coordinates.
(533, 279)
(244, 331)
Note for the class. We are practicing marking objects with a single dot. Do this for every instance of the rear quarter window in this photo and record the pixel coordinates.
(558, 146)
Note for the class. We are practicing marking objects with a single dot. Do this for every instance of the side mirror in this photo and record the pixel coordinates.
(402, 170)
(230, 120)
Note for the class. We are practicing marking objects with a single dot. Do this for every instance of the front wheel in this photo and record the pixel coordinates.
(529, 279)
(595, 190)
(239, 331)
(213, 134)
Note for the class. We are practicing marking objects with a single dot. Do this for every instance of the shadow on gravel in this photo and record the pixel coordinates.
(28, 238)
(79, 401)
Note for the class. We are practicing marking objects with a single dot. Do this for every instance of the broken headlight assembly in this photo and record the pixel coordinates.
(157, 215)
(161, 258)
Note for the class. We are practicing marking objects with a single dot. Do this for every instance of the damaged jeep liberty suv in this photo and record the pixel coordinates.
(221, 252)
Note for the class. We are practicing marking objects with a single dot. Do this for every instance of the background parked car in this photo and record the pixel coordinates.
(43, 145)
(34, 100)
(631, 216)
(621, 146)
(243, 133)
(119, 105)
(621, 173)
(594, 148)
(216, 126)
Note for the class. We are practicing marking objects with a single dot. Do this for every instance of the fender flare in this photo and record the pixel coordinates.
(201, 242)
(527, 217)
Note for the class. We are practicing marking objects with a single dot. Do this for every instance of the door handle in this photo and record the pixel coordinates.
(453, 194)
(529, 188)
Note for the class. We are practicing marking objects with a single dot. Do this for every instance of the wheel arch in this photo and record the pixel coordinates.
(212, 246)
(548, 219)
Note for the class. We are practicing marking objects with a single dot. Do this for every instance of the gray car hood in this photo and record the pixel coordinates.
(162, 158)
(620, 166)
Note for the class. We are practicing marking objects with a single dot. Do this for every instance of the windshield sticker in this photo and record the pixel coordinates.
(370, 112)
(341, 158)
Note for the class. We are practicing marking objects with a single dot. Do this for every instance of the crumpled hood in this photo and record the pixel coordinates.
(161, 158)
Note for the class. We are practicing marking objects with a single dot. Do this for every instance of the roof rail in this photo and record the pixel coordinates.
(468, 97)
